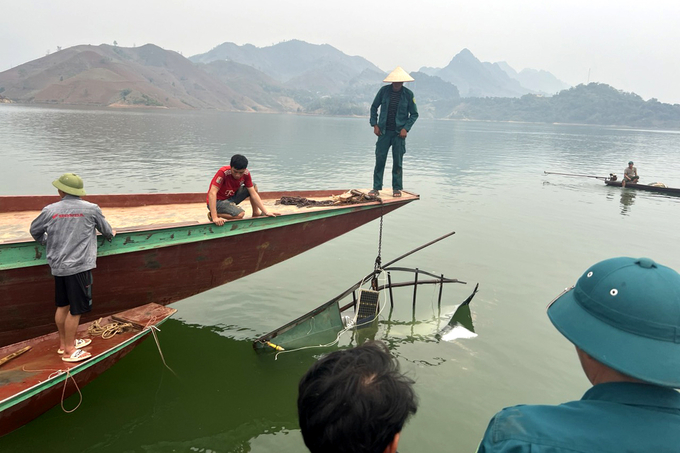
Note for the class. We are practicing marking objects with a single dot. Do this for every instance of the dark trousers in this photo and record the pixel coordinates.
(382, 146)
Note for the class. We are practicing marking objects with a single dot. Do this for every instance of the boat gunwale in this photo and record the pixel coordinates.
(18, 203)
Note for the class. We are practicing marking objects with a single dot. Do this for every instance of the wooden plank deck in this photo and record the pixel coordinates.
(14, 226)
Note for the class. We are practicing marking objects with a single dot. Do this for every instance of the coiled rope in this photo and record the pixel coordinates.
(109, 330)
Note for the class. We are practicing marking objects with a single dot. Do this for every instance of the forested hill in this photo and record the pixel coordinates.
(595, 103)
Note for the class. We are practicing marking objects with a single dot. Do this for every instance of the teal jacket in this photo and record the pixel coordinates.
(407, 112)
(611, 417)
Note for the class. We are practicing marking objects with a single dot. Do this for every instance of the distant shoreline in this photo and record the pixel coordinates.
(142, 108)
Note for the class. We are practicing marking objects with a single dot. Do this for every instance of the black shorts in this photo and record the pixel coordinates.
(74, 290)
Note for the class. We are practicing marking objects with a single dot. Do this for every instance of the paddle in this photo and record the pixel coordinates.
(604, 178)
(13, 355)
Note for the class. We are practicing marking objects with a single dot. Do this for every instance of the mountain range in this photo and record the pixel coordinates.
(291, 76)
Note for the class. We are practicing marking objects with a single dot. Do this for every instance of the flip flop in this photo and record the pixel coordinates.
(374, 193)
(210, 217)
(396, 193)
(80, 343)
(77, 356)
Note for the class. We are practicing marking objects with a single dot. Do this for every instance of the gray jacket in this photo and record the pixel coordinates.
(67, 229)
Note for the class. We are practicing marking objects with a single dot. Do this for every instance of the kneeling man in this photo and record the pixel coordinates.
(230, 186)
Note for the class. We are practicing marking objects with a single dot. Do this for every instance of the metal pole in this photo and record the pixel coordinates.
(439, 302)
(415, 288)
(389, 284)
(417, 249)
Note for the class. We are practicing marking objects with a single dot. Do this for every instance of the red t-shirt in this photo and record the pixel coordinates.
(227, 184)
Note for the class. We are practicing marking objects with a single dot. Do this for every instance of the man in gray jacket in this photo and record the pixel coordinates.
(68, 231)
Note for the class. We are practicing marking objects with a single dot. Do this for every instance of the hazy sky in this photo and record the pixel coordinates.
(633, 46)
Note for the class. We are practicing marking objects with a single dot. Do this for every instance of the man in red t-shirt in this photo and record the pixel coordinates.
(230, 186)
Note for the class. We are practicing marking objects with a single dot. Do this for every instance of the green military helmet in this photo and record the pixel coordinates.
(625, 313)
(70, 183)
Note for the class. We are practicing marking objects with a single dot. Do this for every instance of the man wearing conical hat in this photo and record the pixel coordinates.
(398, 112)
(623, 317)
(68, 229)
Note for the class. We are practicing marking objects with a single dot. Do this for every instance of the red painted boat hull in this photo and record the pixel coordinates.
(22, 413)
(34, 382)
(166, 274)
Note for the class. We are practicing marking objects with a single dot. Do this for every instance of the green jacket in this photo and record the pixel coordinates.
(407, 112)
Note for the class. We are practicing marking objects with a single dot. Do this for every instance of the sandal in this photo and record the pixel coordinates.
(77, 356)
(396, 193)
(374, 193)
(80, 344)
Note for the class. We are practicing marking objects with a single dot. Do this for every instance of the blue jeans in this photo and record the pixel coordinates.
(382, 147)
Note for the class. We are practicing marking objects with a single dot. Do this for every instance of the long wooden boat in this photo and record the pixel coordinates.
(645, 187)
(38, 379)
(165, 250)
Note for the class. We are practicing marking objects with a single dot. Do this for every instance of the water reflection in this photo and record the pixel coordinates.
(627, 200)
(223, 397)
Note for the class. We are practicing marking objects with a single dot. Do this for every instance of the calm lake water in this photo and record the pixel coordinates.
(521, 234)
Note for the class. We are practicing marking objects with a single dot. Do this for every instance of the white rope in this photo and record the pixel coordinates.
(153, 330)
(63, 392)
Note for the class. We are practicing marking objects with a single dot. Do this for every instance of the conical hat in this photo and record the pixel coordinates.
(399, 75)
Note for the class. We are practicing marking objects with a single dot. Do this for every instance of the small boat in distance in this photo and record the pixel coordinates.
(37, 380)
(654, 187)
(613, 181)
(166, 249)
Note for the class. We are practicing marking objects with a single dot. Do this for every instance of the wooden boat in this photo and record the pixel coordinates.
(165, 250)
(38, 379)
(645, 187)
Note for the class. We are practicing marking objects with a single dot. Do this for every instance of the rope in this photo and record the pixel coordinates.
(56, 373)
(109, 330)
(153, 330)
(63, 392)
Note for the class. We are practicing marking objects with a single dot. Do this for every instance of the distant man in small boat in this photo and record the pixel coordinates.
(355, 401)
(68, 229)
(230, 186)
(623, 317)
(630, 175)
(398, 112)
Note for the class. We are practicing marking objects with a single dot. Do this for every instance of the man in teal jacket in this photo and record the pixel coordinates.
(623, 316)
(398, 112)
